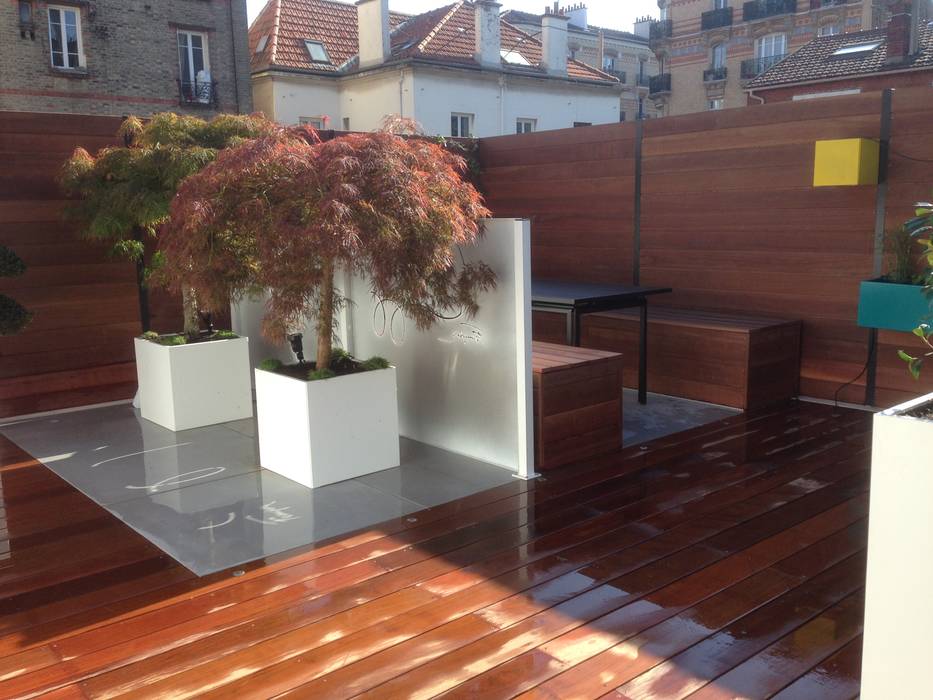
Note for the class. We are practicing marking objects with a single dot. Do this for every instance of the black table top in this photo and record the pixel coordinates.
(578, 293)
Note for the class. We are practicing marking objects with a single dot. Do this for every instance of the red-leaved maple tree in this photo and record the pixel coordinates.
(283, 212)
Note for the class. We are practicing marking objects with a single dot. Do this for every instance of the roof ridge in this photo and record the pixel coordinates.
(429, 37)
(534, 38)
(276, 25)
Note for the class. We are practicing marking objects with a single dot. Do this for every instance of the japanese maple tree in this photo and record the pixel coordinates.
(284, 211)
(123, 193)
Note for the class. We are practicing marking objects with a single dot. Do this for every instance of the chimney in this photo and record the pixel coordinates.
(372, 17)
(488, 35)
(901, 35)
(642, 27)
(577, 15)
(554, 42)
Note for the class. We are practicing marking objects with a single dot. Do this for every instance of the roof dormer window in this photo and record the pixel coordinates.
(317, 51)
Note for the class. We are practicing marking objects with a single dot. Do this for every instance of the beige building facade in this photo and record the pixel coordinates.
(709, 50)
(626, 55)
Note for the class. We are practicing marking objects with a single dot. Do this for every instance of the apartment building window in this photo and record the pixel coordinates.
(316, 122)
(461, 125)
(194, 68)
(829, 30)
(771, 45)
(65, 37)
(719, 56)
(579, 124)
(720, 4)
(525, 126)
(609, 64)
(346, 123)
(716, 104)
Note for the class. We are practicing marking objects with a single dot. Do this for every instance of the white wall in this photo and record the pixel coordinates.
(555, 104)
(430, 94)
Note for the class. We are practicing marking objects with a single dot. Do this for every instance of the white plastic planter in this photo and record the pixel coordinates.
(189, 386)
(898, 641)
(329, 430)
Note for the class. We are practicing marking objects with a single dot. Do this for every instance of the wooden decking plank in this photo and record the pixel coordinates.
(835, 678)
(375, 668)
(523, 588)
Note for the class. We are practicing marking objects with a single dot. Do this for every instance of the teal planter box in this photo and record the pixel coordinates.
(893, 307)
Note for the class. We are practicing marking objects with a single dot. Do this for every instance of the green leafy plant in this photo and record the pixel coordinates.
(150, 335)
(920, 228)
(13, 316)
(123, 194)
(270, 364)
(172, 340)
(224, 335)
(318, 374)
(376, 362)
(285, 211)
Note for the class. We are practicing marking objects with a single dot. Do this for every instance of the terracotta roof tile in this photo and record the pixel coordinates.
(445, 34)
(816, 60)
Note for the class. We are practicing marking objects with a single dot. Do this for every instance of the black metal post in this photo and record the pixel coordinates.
(636, 222)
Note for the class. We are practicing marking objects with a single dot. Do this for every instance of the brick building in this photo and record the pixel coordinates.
(899, 55)
(710, 50)
(119, 57)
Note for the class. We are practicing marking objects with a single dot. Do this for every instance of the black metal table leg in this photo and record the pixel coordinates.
(643, 353)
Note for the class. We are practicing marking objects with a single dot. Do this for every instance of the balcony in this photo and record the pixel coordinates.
(716, 18)
(659, 84)
(660, 30)
(197, 93)
(714, 74)
(620, 74)
(762, 9)
(818, 4)
(754, 67)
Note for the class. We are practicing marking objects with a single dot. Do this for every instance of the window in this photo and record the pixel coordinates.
(720, 4)
(513, 57)
(461, 125)
(346, 123)
(316, 122)
(577, 124)
(609, 64)
(771, 45)
(194, 68)
(316, 51)
(65, 37)
(622, 116)
(719, 56)
(828, 30)
(261, 44)
(857, 48)
(716, 104)
(525, 126)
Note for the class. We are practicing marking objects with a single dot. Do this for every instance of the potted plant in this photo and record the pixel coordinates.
(895, 301)
(284, 213)
(899, 577)
(123, 195)
(13, 317)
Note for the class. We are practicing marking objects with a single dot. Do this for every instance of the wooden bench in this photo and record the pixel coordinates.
(577, 403)
(730, 359)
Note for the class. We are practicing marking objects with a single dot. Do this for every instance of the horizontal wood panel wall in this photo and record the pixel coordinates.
(78, 349)
(729, 218)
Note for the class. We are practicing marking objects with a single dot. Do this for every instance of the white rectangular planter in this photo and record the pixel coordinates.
(189, 386)
(898, 641)
(321, 432)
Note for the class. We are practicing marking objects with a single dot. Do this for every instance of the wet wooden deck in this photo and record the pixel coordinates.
(727, 561)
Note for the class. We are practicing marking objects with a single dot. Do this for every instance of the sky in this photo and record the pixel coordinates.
(612, 14)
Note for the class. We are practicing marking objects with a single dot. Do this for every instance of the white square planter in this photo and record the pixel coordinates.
(898, 641)
(189, 386)
(321, 432)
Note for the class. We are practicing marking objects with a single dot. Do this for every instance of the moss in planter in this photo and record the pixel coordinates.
(173, 339)
(342, 364)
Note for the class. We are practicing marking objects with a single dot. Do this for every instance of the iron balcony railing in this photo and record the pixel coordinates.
(659, 83)
(817, 4)
(761, 9)
(716, 18)
(198, 93)
(662, 29)
(713, 74)
(620, 74)
(754, 67)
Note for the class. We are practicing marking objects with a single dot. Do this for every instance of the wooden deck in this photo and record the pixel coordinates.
(724, 561)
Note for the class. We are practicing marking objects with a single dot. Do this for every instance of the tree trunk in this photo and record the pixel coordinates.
(325, 319)
(142, 289)
(189, 305)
